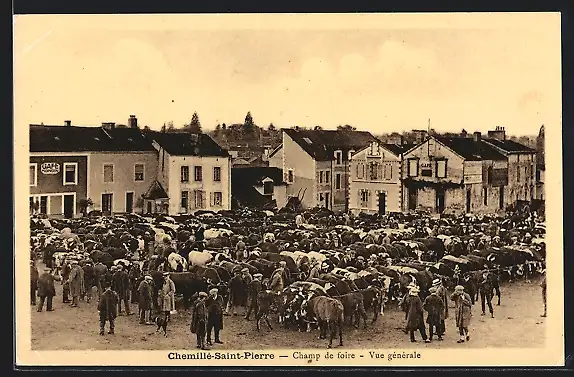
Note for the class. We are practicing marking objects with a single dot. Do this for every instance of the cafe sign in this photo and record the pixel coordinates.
(50, 168)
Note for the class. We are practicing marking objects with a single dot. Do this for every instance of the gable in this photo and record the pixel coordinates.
(433, 148)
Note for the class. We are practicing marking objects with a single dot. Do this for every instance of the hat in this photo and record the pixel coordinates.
(283, 263)
(166, 274)
(245, 270)
(432, 289)
(459, 288)
(74, 261)
(148, 277)
(414, 291)
(202, 294)
(435, 282)
(213, 290)
(257, 275)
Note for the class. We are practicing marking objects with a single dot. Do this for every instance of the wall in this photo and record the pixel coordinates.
(279, 194)
(454, 167)
(207, 184)
(53, 183)
(304, 172)
(277, 160)
(124, 177)
(521, 187)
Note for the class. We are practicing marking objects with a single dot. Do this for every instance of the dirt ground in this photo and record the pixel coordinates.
(517, 323)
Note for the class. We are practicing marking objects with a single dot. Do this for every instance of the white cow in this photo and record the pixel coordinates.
(197, 258)
(317, 256)
(174, 259)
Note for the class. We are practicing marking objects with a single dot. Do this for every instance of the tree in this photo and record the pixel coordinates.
(170, 126)
(248, 125)
(146, 128)
(194, 126)
(164, 127)
(271, 128)
(318, 128)
(346, 127)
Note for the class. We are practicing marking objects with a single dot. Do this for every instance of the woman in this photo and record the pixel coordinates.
(463, 310)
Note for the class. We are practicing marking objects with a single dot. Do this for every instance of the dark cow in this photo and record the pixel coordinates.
(330, 315)
(353, 306)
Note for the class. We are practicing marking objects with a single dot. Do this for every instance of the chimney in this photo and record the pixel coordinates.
(133, 122)
(68, 123)
(476, 136)
(499, 133)
(108, 125)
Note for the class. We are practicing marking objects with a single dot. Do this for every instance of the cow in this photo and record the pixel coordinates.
(353, 304)
(197, 258)
(330, 315)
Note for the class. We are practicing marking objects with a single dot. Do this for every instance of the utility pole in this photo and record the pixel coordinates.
(428, 134)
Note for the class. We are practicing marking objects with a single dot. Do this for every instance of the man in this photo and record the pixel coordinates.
(65, 273)
(415, 319)
(543, 286)
(214, 305)
(463, 312)
(435, 308)
(75, 283)
(89, 279)
(485, 288)
(254, 288)
(167, 296)
(108, 308)
(46, 290)
(246, 276)
(100, 272)
(145, 297)
(240, 249)
(134, 277)
(236, 287)
(121, 285)
(442, 293)
(199, 320)
(33, 282)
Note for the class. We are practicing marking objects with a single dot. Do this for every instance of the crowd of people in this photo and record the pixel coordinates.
(276, 263)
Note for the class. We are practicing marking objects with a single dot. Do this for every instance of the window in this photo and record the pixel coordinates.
(184, 200)
(321, 199)
(33, 174)
(526, 175)
(139, 172)
(70, 173)
(441, 169)
(217, 199)
(108, 173)
(413, 167)
(388, 171)
(327, 177)
(361, 171)
(489, 175)
(198, 173)
(321, 177)
(338, 157)
(364, 196)
(350, 154)
(185, 173)
(374, 171)
(216, 174)
(199, 199)
(518, 173)
(338, 181)
(268, 188)
(485, 195)
(290, 177)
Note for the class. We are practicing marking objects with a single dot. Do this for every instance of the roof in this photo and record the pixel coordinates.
(470, 149)
(87, 139)
(321, 144)
(254, 176)
(187, 144)
(510, 146)
(275, 150)
(156, 191)
(398, 149)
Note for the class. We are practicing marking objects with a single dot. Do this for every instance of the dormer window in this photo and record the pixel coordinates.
(351, 154)
(268, 187)
(338, 157)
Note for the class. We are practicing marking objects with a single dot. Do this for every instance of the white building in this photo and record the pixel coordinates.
(193, 173)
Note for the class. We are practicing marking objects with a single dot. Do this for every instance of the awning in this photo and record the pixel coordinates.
(156, 191)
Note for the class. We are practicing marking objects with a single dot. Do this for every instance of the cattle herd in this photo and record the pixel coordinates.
(316, 267)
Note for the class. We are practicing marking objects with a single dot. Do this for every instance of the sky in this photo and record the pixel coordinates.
(380, 73)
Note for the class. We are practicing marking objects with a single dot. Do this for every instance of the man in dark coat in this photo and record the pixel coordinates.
(100, 271)
(108, 308)
(485, 288)
(121, 285)
(145, 297)
(442, 293)
(237, 290)
(415, 318)
(254, 288)
(435, 308)
(46, 290)
(33, 282)
(199, 320)
(134, 278)
(89, 279)
(214, 305)
(65, 273)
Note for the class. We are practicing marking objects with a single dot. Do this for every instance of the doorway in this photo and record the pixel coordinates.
(412, 199)
(68, 206)
(327, 200)
(382, 203)
(440, 200)
(149, 207)
(107, 204)
(129, 202)
(468, 200)
(501, 198)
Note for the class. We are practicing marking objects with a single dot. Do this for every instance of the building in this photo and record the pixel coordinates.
(375, 178)
(110, 165)
(455, 175)
(521, 186)
(540, 164)
(316, 165)
(258, 187)
(193, 173)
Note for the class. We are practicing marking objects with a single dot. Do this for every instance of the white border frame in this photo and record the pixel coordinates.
(75, 165)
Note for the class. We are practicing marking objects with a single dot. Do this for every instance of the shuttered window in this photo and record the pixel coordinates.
(138, 172)
(216, 174)
(184, 200)
(185, 173)
(108, 173)
(217, 199)
(198, 174)
(441, 169)
(413, 167)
